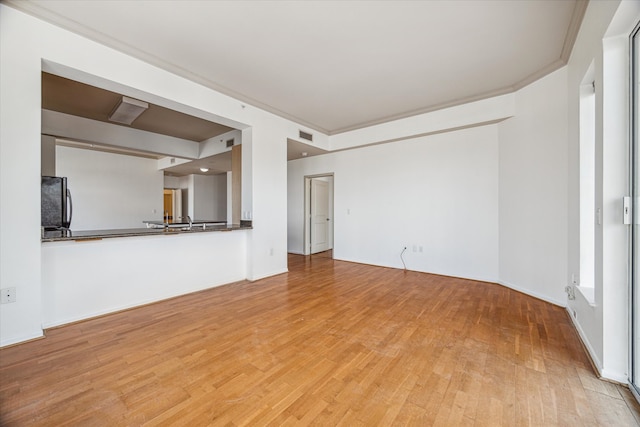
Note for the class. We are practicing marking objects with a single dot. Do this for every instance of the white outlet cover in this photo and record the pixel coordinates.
(8, 295)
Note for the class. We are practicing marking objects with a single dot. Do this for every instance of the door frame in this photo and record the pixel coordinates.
(634, 240)
(306, 244)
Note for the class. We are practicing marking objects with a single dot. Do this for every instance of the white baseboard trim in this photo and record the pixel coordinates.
(477, 279)
(22, 339)
(595, 361)
(54, 323)
(533, 294)
(605, 374)
(615, 377)
(397, 267)
(264, 276)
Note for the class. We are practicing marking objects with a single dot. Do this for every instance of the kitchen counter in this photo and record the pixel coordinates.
(176, 224)
(62, 235)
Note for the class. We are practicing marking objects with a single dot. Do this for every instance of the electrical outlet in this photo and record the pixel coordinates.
(7, 295)
(571, 292)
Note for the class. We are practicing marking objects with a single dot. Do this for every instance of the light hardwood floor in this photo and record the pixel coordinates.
(329, 343)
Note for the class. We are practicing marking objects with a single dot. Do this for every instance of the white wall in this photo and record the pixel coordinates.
(210, 197)
(439, 192)
(219, 197)
(48, 156)
(20, 176)
(29, 46)
(202, 197)
(533, 190)
(267, 253)
(110, 190)
(205, 196)
(172, 182)
(86, 279)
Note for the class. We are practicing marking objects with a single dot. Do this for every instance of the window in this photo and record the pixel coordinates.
(588, 213)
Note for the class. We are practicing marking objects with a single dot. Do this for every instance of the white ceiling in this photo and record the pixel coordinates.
(336, 65)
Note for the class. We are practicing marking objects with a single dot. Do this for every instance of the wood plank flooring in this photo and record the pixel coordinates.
(329, 343)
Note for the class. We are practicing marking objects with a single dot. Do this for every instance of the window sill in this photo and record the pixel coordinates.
(588, 294)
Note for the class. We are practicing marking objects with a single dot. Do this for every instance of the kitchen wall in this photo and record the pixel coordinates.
(110, 190)
(210, 197)
(205, 196)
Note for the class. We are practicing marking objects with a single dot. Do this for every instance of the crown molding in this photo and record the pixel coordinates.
(39, 12)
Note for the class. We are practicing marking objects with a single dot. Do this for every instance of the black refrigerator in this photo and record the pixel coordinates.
(56, 205)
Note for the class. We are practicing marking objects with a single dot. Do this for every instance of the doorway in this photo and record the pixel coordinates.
(172, 205)
(318, 214)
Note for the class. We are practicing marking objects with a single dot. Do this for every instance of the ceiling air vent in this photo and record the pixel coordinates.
(230, 142)
(307, 136)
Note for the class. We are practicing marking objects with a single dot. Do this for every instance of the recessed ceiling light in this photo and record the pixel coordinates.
(204, 169)
(304, 154)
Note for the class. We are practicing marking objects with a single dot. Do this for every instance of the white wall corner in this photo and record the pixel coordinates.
(254, 278)
(534, 294)
(587, 344)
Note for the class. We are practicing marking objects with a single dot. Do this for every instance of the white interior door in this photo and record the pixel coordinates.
(177, 205)
(319, 216)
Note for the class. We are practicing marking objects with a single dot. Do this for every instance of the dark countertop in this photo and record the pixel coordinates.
(62, 235)
(194, 222)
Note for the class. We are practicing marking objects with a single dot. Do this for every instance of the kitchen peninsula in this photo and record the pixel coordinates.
(93, 273)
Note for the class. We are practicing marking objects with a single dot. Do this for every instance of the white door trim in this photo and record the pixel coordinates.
(306, 246)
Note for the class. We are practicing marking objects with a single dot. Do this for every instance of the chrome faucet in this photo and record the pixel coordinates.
(190, 222)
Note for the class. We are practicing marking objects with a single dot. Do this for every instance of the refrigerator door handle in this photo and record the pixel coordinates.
(70, 207)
